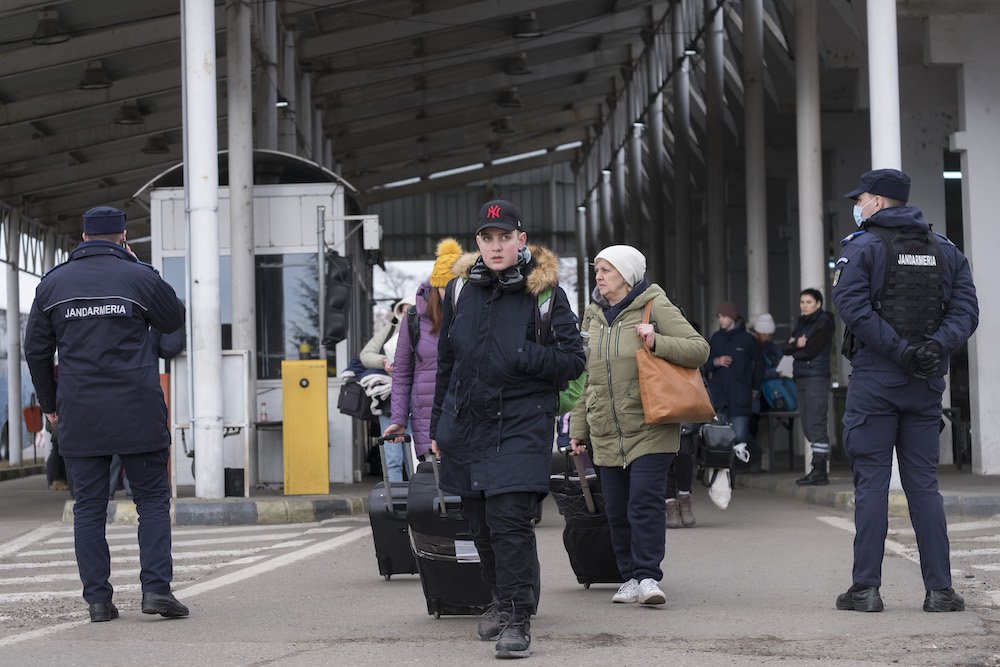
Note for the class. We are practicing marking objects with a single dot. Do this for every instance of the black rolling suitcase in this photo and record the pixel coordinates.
(387, 511)
(446, 555)
(587, 536)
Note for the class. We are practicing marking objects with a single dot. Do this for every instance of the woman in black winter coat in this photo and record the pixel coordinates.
(809, 345)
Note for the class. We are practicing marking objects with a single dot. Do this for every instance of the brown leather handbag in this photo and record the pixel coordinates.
(671, 394)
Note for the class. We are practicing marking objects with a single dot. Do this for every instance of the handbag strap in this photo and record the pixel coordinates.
(646, 311)
(588, 497)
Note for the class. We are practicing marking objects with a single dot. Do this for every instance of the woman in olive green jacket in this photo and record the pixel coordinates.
(633, 457)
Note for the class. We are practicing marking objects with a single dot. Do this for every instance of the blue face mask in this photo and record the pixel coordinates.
(858, 212)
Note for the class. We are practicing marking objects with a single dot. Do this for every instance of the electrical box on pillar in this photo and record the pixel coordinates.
(305, 429)
(338, 298)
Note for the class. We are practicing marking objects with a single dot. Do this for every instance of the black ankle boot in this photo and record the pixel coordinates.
(817, 476)
(515, 638)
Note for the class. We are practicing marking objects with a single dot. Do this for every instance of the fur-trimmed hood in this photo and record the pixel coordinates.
(543, 274)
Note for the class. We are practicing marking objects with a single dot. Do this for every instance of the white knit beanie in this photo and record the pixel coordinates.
(764, 323)
(627, 261)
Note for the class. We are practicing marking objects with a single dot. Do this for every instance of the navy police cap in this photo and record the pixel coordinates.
(103, 220)
(890, 183)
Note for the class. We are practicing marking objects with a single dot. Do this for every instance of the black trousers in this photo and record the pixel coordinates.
(147, 472)
(505, 539)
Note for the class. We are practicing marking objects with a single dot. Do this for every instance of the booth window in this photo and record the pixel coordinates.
(287, 289)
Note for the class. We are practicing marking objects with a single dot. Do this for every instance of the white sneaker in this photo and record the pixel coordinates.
(627, 592)
(649, 592)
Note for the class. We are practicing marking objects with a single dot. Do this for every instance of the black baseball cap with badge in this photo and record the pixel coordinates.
(890, 183)
(501, 214)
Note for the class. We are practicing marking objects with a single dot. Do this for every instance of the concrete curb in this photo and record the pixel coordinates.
(21, 471)
(239, 511)
(835, 496)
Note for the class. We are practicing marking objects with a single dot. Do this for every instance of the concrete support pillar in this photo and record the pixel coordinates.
(304, 113)
(239, 99)
(607, 230)
(582, 294)
(328, 154)
(619, 226)
(201, 183)
(682, 276)
(287, 140)
(883, 76)
(49, 251)
(657, 249)
(317, 136)
(267, 112)
(756, 176)
(635, 230)
(15, 445)
(970, 41)
(553, 206)
(812, 262)
(715, 191)
(594, 223)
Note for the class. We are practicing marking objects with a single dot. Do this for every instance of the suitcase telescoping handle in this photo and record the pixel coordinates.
(435, 465)
(381, 452)
(588, 497)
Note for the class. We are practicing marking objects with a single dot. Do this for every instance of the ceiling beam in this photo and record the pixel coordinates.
(448, 142)
(553, 100)
(598, 60)
(404, 168)
(101, 44)
(117, 167)
(606, 24)
(372, 196)
(391, 30)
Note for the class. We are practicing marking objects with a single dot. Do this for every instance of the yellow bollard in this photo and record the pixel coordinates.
(305, 429)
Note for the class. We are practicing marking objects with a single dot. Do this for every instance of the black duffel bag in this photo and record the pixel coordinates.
(715, 452)
(353, 400)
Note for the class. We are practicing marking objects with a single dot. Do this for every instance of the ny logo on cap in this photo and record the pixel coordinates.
(493, 212)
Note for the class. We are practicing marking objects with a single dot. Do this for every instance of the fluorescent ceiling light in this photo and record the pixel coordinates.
(570, 146)
(952, 175)
(399, 184)
(457, 170)
(520, 156)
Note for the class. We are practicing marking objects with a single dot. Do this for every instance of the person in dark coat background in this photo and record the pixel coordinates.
(809, 346)
(735, 368)
(494, 408)
(905, 318)
(97, 309)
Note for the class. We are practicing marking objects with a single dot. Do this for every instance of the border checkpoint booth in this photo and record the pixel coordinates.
(293, 199)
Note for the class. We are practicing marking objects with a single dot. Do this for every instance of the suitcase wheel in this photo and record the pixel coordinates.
(586, 587)
(387, 576)
(437, 614)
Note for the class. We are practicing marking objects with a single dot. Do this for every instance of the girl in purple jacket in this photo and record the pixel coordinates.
(415, 365)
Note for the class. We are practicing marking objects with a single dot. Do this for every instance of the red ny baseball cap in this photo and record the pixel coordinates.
(501, 214)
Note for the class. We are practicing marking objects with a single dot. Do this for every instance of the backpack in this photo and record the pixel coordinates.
(413, 328)
(571, 393)
(779, 394)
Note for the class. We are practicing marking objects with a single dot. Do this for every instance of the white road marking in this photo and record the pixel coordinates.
(211, 584)
(292, 529)
(176, 543)
(909, 553)
(72, 576)
(992, 567)
(994, 597)
(963, 553)
(29, 538)
(958, 527)
(46, 595)
(275, 563)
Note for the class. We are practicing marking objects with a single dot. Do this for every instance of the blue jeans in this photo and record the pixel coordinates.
(393, 452)
(635, 499)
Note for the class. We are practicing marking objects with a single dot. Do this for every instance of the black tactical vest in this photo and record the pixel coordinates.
(912, 296)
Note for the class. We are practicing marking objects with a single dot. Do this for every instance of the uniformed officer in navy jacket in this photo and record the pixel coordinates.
(907, 300)
(98, 310)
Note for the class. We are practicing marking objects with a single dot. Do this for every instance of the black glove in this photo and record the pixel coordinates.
(928, 358)
(908, 362)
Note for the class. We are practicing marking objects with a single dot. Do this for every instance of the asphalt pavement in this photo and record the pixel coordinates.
(751, 585)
